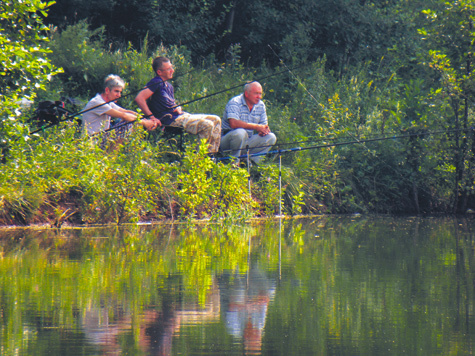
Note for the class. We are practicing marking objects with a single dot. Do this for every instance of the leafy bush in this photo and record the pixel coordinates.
(82, 55)
(206, 188)
(25, 69)
(54, 176)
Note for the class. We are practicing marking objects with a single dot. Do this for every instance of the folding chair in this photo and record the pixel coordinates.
(173, 135)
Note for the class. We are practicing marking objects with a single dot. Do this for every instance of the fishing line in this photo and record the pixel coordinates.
(70, 116)
(388, 136)
(287, 69)
(301, 84)
(295, 77)
(214, 94)
(362, 142)
(280, 151)
(236, 86)
(337, 144)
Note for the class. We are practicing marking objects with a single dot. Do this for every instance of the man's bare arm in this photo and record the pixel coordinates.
(262, 130)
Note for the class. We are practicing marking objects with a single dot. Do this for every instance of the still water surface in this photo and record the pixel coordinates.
(314, 286)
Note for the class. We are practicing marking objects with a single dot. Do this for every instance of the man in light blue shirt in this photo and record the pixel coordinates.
(244, 115)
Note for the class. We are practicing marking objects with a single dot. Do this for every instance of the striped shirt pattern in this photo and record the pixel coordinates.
(237, 109)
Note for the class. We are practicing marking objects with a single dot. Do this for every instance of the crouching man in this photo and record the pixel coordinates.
(245, 124)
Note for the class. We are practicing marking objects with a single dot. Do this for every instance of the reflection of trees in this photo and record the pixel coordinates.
(120, 272)
(465, 280)
(349, 285)
(376, 284)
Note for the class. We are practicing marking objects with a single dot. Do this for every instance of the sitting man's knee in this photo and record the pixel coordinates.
(241, 133)
(214, 119)
(234, 139)
(271, 138)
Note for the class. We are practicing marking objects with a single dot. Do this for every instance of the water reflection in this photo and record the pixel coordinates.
(156, 327)
(321, 286)
(245, 299)
(239, 298)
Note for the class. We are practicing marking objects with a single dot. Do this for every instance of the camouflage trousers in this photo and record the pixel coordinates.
(204, 125)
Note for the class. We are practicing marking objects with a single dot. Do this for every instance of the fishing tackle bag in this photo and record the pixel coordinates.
(50, 112)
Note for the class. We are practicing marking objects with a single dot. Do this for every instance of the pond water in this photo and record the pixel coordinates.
(351, 285)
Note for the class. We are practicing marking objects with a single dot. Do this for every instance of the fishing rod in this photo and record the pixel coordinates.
(331, 139)
(336, 144)
(207, 96)
(236, 86)
(70, 116)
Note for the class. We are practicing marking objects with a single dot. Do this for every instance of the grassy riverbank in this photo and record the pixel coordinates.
(57, 178)
(390, 135)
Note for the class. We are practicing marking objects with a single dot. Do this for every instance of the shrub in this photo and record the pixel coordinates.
(206, 188)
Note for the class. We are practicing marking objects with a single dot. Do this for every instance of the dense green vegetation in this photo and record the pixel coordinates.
(345, 71)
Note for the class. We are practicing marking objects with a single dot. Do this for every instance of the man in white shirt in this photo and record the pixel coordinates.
(100, 109)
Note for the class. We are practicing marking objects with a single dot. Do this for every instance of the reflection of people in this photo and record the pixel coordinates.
(245, 302)
(156, 327)
(100, 109)
(157, 101)
(243, 115)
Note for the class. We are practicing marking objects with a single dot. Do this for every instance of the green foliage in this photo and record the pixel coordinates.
(298, 201)
(329, 109)
(389, 176)
(266, 189)
(346, 31)
(119, 186)
(57, 178)
(23, 48)
(123, 186)
(25, 68)
(207, 188)
(449, 37)
(81, 54)
(198, 24)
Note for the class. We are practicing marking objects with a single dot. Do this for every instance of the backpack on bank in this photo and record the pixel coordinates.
(50, 112)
